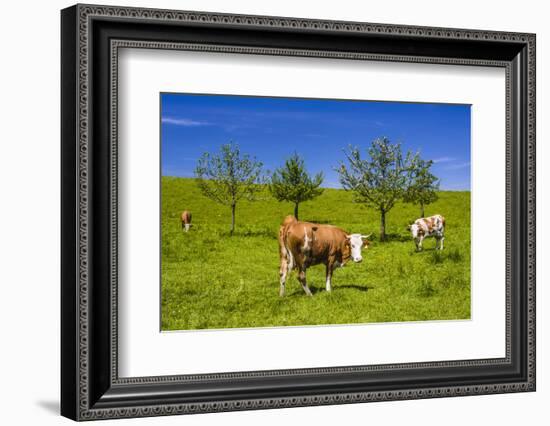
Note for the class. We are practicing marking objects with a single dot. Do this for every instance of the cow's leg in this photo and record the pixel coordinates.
(441, 242)
(420, 240)
(329, 276)
(187, 225)
(302, 279)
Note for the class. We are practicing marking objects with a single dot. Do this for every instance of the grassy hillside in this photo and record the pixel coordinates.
(213, 280)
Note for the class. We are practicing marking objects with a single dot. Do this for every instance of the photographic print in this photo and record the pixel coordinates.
(279, 211)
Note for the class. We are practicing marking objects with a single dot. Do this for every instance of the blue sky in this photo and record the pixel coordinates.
(271, 129)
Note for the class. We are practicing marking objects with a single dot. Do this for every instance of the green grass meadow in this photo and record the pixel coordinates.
(211, 280)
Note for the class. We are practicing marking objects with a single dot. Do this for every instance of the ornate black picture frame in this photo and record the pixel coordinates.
(91, 37)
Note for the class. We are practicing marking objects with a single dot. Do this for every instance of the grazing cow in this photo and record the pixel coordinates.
(186, 220)
(433, 226)
(304, 244)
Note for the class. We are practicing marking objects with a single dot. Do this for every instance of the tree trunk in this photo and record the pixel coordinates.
(232, 218)
(382, 225)
(421, 209)
(296, 211)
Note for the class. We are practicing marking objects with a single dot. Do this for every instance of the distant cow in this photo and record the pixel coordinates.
(433, 226)
(304, 244)
(186, 220)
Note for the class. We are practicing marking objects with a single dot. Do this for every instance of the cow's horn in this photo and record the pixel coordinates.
(366, 236)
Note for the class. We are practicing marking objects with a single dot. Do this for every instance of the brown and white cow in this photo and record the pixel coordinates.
(433, 226)
(304, 244)
(186, 220)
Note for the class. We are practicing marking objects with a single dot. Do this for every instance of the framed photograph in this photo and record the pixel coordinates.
(263, 212)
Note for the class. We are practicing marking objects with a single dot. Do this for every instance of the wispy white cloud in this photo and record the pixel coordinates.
(458, 166)
(186, 122)
(443, 160)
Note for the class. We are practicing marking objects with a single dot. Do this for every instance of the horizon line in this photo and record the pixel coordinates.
(323, 187)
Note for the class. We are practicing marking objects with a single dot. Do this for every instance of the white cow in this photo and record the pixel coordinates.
(433, 226)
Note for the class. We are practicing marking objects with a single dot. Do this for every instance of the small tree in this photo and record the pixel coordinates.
(380, 180)
(423, 185)
(292, 183)
(228, 177)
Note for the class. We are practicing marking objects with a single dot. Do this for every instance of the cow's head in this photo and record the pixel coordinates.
(357, 242)
(417, 233)
(414, 228)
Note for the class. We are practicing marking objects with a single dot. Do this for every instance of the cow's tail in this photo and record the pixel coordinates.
(286, 252)
(284, 248)
(289, 255)
(290, 259)
(309, 238)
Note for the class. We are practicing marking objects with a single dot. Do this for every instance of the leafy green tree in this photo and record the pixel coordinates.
(379, 180)
(423, 185)
(228, 177)
(293, 183)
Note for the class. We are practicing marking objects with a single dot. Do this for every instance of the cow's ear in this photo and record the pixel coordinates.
(366, 242)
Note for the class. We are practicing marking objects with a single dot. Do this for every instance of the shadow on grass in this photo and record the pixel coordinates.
(250, 233)
(336, 287)
(353, 287)
(319, 221)
(394, 237)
